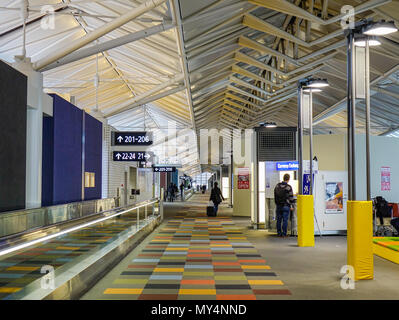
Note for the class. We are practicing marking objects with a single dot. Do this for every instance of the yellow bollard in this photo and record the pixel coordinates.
(360, 238)
(305, 221)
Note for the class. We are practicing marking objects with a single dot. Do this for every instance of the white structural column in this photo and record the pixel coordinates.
(37, 101)
(97, 33)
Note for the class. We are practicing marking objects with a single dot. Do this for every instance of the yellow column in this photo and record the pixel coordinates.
(305, 221)
(360, 238)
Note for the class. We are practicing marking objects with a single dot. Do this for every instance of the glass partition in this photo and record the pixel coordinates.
(21, 221)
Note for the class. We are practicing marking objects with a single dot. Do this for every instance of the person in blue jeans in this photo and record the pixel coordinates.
(216, 197)
(284, 199)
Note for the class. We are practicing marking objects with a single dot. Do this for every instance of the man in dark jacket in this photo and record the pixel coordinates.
(284, 199)
(171, 192)
(216, 197)
(182, 191)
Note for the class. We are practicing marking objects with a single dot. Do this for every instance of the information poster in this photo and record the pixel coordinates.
(334, 197)
(243, 178)
(385, 179)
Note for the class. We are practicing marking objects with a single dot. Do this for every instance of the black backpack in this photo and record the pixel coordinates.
(281, 194)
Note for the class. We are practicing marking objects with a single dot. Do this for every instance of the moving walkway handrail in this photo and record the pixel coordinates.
(30, 237)
(19, 221)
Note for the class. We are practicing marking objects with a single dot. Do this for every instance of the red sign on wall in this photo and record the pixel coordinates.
(243, 178)
(385, 178)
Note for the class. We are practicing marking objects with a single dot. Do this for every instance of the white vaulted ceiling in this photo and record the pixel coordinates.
(208, 63)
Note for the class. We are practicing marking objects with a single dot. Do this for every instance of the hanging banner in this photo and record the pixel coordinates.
(385, 178)
(334, 197)
(243, 178)
(306, 183)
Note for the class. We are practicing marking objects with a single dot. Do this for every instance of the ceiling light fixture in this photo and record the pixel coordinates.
(360, 41)
(270, 125)
(380, 28)
(313, 90)
(317, 83)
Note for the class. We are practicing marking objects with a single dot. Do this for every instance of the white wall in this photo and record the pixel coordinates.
(384, 153)
(331, 151)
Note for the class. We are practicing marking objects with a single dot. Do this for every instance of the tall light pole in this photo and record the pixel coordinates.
(360, 213)
(305, 207)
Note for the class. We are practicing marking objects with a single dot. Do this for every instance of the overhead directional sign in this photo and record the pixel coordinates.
(132, 156)
(164, 169)
(137, 138)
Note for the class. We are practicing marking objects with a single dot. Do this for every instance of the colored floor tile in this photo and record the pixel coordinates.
(196, 257)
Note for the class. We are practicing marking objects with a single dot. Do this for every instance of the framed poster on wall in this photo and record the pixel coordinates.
(385, 178)
(334, 198)
(243, 178)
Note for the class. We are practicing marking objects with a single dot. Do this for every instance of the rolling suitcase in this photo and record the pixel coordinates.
(210, 210)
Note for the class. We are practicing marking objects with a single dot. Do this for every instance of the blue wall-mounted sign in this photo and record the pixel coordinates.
(306, 184)
(137, 138)
(131, 156)
(287, 165)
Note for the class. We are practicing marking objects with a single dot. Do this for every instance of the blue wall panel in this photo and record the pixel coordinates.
(175, 177)
(68, 125)
(93, 155)
(48, 161)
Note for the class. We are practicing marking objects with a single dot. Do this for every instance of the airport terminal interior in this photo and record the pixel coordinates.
(199, 150)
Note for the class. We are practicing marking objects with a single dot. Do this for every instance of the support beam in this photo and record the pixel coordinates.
(145, 101)
(255, 45)
(240, 82)
(97, 33)
(249, 74)
(245, 93)
(293, 10)
(176, 80)
(341, 105)
(87, 52)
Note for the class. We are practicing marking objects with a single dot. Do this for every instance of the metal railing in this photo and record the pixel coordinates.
(188, 193)
(29, 238)
(14, 222)
(73, 277)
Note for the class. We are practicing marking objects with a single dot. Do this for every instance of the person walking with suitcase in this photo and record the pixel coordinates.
(216, 197)
(284, 199)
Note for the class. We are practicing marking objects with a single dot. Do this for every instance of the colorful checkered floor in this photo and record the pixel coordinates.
(197, 258)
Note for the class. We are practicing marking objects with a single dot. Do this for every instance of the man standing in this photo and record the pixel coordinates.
(182, 191)
(171, 192)
(284, 199)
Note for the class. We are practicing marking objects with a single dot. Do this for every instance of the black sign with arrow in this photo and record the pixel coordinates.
(138, 156)
(164, 169)
(136, 138)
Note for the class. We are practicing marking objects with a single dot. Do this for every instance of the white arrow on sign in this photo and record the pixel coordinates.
(120, 139)
(118, 155)
(147, 156)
